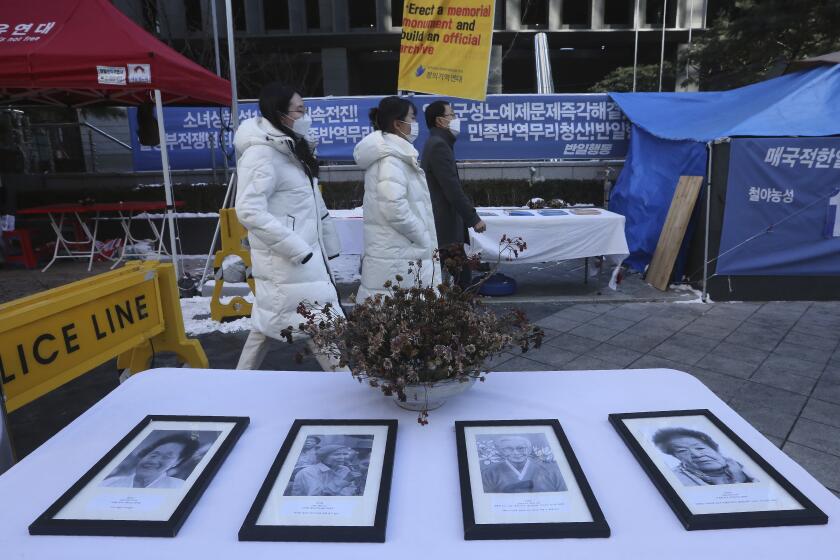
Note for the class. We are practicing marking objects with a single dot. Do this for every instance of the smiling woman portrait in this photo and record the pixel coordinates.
(155, 461)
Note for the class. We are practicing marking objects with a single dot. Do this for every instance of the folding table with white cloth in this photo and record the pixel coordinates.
(424, 517)
(551, 234)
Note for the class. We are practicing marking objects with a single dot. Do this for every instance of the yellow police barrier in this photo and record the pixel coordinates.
(232, 234)
(52, 337)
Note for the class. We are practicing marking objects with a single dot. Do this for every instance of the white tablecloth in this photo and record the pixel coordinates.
(553, 238)
(348, 224)
(549, 238)
(425, 511)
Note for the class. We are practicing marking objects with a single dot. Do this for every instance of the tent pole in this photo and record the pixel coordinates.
(212, 252)
(708, 208)
(230, 194)
(690, 25)
(216, 37)
(662, 53)
(690, 20)
(167, 183)
(636, 43)
(234, 98)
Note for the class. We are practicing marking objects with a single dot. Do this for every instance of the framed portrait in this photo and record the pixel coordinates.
(148, 483)
(330, 482)
(708, 475)
(520, 479)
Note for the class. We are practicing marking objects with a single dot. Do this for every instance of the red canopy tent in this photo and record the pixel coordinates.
(83, 52)
(76, 53)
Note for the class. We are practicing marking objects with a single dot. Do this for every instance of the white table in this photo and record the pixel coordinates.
(350, 228)
(552, 238)
(424, 520)
(549, 238)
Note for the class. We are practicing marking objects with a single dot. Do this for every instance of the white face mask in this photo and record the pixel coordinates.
(415, 131)
(455, 126)
(301, 125)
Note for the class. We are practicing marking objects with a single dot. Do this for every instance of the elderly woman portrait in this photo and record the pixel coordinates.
(154, 463)
(332, 475)
(701, 463)
(520, 471)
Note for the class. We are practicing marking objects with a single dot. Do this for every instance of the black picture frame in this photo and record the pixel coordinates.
(48, 524)
(596, 528)
(810, 514)
(375, 533)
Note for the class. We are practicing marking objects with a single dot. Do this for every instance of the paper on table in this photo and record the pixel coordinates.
(519, 213)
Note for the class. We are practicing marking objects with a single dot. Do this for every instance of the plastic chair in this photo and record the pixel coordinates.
(26, 256)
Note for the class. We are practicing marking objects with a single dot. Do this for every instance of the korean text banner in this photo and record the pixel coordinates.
(505, 127)
(781, 216)
(445, 47)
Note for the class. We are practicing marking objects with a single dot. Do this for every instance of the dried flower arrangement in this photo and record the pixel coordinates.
(416, 334)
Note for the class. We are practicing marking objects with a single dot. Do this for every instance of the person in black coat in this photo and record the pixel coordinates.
(453, 210)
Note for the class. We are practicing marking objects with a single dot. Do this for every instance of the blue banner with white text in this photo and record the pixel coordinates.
(505, 127)
(782, 212)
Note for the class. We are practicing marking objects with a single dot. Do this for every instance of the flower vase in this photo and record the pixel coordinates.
(423, 397)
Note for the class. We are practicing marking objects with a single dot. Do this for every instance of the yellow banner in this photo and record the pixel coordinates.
(445, 47)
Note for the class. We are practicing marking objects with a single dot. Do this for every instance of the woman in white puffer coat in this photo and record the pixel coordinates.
(399, 226)
(289, 228)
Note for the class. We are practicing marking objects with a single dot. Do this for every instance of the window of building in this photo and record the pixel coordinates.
(619, 12)
(397, 12)
(576, 13)
(363, 14)
(653, 13)
(313, 14)
(276, 14)
(238, 8)
(500, 23)
(534, 14)
(192, 13)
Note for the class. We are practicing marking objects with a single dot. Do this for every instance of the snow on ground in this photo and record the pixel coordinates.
(142, 247)
(688, 288)
(196, 312)
(346, 268)
(158, 215)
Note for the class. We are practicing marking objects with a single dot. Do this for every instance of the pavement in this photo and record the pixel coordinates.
(776, 363)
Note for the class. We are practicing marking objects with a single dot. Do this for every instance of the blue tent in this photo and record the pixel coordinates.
(670, 132)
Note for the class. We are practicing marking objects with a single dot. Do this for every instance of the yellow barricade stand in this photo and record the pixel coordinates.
(55, 336)
(232, 234)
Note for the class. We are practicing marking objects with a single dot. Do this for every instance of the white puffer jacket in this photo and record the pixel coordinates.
(398, 222)
(286, 220)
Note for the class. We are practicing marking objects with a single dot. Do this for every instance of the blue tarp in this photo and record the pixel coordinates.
(670, 131)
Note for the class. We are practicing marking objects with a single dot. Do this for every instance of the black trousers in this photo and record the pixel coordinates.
(463, 278)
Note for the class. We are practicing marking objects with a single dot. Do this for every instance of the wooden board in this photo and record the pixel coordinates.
(685, 197)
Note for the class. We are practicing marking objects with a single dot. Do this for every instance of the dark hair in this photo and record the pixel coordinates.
(190, 446)
(435, 110)
(391, 108)
(274, 102)
(662, 438)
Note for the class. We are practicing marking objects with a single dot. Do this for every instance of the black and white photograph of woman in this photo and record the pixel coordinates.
(339, 468)
(164, 459)
(701, 461)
